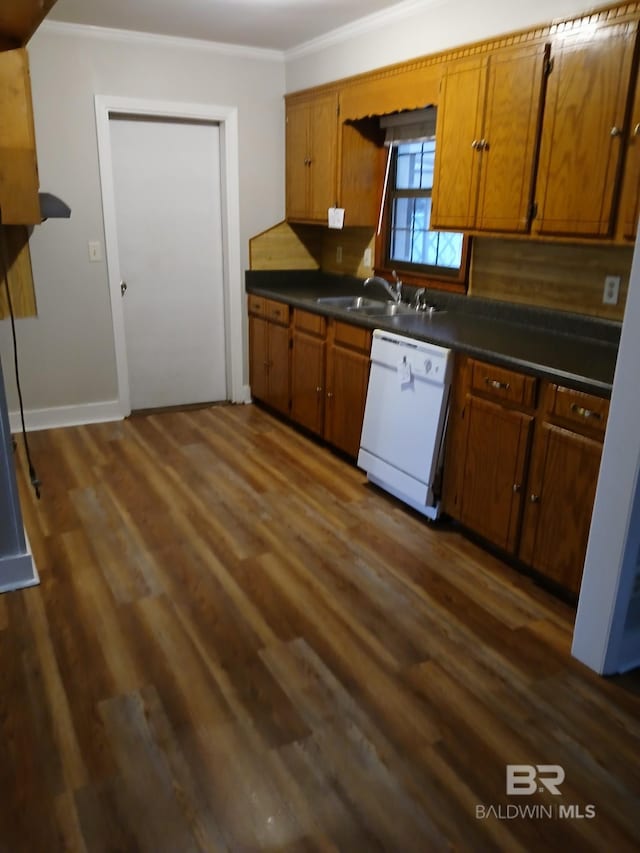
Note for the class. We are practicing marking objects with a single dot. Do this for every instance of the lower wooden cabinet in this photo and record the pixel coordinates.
(314, 370)
(269, 352)
(560, 495)
(347, 381)
(522, 466)
(308, 370)
(497, 446)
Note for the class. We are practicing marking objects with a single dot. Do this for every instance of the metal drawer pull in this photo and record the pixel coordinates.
(499, 386)
(585, 413)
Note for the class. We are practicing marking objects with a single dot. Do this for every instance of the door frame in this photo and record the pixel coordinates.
(227, 119)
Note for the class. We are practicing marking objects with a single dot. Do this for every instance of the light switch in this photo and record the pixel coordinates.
(95, 251)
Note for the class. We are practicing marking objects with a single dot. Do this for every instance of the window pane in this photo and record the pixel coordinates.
(413, 242)
(414, 165)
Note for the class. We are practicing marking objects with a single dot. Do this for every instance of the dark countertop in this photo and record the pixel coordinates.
(576, 351)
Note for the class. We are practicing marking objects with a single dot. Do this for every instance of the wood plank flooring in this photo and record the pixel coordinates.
(238, 644)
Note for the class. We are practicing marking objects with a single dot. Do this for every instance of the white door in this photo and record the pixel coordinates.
(167, 188)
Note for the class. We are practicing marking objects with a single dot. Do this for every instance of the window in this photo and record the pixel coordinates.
(407, 242)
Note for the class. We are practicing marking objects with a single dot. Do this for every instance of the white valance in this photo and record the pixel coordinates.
(409, 126)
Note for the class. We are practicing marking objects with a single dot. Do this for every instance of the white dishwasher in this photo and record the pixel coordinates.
(405, 418)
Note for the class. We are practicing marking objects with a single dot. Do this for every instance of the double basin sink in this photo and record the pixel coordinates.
(372, 307)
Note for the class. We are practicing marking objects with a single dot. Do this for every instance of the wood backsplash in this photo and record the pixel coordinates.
(549, 275)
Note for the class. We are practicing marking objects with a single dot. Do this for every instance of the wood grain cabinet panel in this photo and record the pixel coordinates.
(347, 381)
(269, 352)
(495, 454)
(583, 134)
(488, 132)
(19, 184)
(559, 505)
(308, 371)
(311, 157)
(629, 210)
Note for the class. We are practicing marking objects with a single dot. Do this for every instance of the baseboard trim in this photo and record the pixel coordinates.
(64, 416)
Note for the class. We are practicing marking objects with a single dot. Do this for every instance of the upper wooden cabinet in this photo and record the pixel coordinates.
(630, 198)
(19, 203)
(487, 137)
(584, 131)
(19, 19)
(362, 158)
(312, 157)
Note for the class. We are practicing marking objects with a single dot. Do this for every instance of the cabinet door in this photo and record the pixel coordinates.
(630, 200)
(258, 358)
(562, 487)
(509, 144)
(347, 380)
(19, 202)
(307, 381)
(297, 165)
(278, 370)
(323, 155)
(458, 132)
(362, 163)
(582, 136)
(497, 443)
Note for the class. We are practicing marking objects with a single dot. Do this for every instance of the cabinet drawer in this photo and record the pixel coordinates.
(500, 383)
(355, 337)
(277, 312)
(256, 305)
(312, 324)
(583, 410)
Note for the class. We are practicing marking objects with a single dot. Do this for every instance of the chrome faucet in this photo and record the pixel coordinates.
(395, 294)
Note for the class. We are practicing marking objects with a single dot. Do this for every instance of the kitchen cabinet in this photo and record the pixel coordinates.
(487, 141)
(347, 379)
(311, 156)
(308, 370)
(269, 352)
(584, 131)
(19, 19)
(521, 467)
(497, 435)
(19, 185)
(362, 159)
(562, 483)
(630, 196)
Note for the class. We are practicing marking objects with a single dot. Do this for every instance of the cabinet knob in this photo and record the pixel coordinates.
(616, 131)
(517, 488)
(636, 130)
(319, 389)
(475, 144)
(329, 394)
(534, 499)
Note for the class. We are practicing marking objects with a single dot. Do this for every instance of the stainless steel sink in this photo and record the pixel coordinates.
(349, 303)
(364, 305)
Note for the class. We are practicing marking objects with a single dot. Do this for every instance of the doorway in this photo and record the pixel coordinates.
(169, 175)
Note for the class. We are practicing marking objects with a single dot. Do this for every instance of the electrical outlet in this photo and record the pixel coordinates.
(95, 251)
(366, 258)
(339, 254)
(611, 290)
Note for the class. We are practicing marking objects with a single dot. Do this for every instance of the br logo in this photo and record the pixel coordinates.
(525, 779)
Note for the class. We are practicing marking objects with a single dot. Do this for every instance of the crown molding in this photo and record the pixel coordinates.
(374, 21)
(137, 37)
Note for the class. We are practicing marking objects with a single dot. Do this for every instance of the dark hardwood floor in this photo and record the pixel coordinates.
(239, 645)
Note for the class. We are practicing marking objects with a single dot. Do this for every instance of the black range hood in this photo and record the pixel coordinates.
(52, 207)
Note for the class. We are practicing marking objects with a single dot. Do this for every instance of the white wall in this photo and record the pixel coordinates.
(416, 29)
(67, 352)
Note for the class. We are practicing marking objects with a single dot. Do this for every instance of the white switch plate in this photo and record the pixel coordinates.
(366, 258)
(339, 254)
(611, 290)
(95, 251)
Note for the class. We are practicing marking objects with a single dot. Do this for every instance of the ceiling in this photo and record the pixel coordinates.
(272, 24)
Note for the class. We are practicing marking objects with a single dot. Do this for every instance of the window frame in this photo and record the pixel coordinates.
(413, 274)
